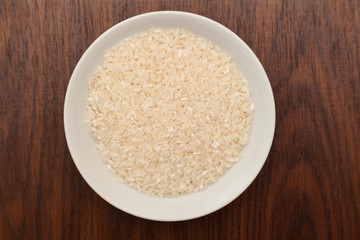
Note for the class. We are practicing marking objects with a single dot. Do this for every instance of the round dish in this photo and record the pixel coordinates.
(228, 187)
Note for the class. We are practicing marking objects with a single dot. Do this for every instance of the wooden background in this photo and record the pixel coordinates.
(309, 187)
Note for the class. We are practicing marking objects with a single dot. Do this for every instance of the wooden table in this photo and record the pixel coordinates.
(309, 187)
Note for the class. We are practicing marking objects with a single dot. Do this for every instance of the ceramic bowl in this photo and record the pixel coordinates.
(231, 184)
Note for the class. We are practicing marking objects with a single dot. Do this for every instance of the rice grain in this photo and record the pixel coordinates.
(169, 112)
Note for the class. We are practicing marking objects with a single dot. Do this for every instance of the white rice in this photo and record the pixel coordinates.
(169, 111)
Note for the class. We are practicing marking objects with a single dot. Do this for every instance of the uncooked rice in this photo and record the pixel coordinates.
(169, 112)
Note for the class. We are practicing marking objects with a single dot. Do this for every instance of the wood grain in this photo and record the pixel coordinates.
(309, 187)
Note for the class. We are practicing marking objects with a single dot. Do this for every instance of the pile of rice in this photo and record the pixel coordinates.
(169, 111)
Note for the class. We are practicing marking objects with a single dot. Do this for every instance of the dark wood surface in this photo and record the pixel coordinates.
(309, 187)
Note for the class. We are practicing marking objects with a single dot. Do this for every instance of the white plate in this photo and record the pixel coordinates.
(227, 188)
